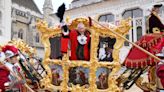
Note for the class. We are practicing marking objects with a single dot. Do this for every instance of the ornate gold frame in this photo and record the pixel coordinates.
(23, 47)
(95, 31)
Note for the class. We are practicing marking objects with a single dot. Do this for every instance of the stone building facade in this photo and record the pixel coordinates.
(5, 21)
(24, 15)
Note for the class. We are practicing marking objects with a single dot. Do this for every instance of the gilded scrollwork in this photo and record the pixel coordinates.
(92, 65)
(151, 85)
(23, 47)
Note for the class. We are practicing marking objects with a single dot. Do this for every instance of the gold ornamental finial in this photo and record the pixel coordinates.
(67, 19)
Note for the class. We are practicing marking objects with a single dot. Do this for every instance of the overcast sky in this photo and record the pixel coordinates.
(55, 3)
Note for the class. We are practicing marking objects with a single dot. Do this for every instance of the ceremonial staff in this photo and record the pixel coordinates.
(33, 77)
(26, 60)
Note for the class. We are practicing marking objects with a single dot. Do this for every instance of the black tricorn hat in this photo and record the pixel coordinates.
(157, 5)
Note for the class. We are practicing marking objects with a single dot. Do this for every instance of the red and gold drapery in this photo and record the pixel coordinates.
(150, 42)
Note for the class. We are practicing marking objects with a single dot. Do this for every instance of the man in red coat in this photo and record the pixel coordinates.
(4, 73)
(79, 40)
(11, 53)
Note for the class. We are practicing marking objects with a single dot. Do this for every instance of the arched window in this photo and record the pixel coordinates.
(137, 13)
(20, 34)
(139, 32)
(132, 13)
(106, 18)
(37, 38)
(127, 14)
(0, 17)
(102, 18)
(110, 18)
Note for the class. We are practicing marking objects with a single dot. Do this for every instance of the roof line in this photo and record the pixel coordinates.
(36, 6)
(84, 5)
(28, 4)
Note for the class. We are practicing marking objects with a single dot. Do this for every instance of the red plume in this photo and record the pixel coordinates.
(11, 48)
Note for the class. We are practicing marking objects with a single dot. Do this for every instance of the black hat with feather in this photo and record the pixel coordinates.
(60, 12)
(60, 15)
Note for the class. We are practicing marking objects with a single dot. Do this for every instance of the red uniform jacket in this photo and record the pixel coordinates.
(74, 45)
(160, 73)
(4, 73)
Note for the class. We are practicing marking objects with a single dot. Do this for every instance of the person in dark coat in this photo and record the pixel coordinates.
(155, 24)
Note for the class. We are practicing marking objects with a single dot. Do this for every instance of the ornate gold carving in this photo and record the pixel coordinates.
(93, 64)
(151, 85)
(23, 47)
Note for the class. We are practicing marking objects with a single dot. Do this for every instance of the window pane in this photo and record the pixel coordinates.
(20, 34)
(127, 14)
(137, 13)
(102, 18)
(127, 43)
(37, 38)
(110, 18)
(139, 32)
